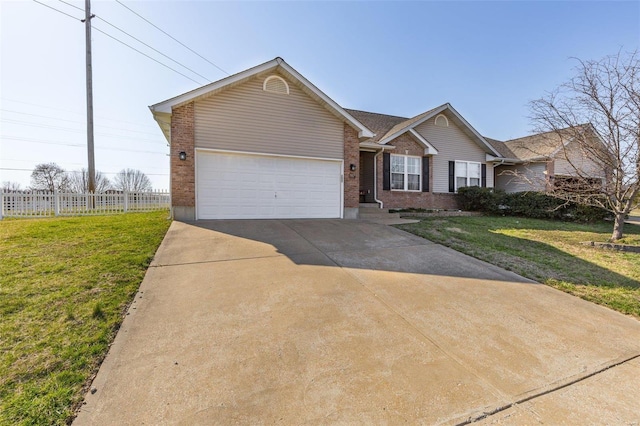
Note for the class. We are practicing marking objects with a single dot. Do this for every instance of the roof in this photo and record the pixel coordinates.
(501, 147)
(407, 124)
(389, 127)
(544, 145)
(380, 124)
(162, 111)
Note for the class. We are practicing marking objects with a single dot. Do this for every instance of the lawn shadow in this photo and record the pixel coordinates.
(537, 260)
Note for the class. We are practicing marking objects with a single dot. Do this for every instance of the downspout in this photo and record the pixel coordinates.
(375, 178)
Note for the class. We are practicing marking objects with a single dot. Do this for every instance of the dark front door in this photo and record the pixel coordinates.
(366, 177)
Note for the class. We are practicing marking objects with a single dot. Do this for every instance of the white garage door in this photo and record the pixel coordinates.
(239, 186)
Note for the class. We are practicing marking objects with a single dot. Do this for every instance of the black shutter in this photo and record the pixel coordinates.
(425, 174)
(386, 171)
(484, 176)
(452, 176)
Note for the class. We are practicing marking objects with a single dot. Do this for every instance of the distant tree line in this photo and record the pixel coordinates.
(53, 178)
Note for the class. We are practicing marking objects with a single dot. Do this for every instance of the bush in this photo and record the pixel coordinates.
(528, 204)
(475, 198)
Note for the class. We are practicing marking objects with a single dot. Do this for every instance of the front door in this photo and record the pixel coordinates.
(366, 177)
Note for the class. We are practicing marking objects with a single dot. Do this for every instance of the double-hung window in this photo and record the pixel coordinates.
(405, 173)
(468, 173)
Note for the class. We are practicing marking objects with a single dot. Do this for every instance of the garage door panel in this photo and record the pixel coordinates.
(253, 186)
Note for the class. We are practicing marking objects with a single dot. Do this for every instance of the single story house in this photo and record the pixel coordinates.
(543, 161)
(267, 143)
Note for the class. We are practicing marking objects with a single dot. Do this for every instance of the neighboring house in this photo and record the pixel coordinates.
(543, 161)
(267, 143)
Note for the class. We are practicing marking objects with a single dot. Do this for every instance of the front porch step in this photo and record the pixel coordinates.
(370, 213)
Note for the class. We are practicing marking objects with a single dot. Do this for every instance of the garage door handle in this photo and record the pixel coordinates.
(275, 194)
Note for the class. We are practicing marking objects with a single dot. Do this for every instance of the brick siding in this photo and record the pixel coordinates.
(406, 145)
(183, 179)
(351, 178)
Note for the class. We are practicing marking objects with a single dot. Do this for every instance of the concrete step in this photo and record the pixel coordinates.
(369, 213)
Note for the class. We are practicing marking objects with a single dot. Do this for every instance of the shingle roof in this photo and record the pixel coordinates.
(535, 147)
(377, 123)
(501, 147)
(408, 122)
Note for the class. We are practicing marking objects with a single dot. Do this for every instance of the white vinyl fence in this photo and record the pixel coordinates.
(43, 204)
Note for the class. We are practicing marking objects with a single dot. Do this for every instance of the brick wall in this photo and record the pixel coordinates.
(351, 178)
(183, 180)
(406, 145)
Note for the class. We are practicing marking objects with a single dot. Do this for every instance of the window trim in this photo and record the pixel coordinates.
(456, 176)
(405, 173)
(275, 77)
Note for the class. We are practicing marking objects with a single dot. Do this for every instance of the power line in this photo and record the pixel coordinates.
(68, 129)
(20, 139)
(74, 164)
(152, 48)
(144, 54)
(77, 113)
(169, 35)
(77, 171)
(122, 42)
(57, 10)
(73, 121)
(72, 5)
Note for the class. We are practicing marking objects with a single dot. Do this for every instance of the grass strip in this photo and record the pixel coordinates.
(64, 286)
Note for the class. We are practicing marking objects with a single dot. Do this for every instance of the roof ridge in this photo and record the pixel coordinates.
(545, 133)
(375, 113)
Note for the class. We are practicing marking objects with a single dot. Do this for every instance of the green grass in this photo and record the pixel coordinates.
(549, 252)
(64, 286)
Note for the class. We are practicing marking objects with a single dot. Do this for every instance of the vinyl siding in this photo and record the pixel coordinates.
(533, 177)
(452, 145)
(248, 119)
(576, 160)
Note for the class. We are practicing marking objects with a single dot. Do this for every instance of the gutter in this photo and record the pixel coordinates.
(375, 177)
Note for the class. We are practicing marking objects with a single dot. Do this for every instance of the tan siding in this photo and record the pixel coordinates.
(246, 118)
(572, 158)
(452, 144)
(528, 177)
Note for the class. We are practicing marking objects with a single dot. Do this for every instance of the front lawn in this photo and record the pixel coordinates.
(64, 285)
(549, 252)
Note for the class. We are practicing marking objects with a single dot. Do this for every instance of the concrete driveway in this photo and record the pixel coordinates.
(337, 321)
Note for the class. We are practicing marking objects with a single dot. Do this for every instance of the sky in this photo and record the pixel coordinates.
(488, 59)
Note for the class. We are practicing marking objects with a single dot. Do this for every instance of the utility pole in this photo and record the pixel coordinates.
(92, 166)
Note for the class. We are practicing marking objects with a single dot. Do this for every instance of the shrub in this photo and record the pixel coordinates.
(528, 204)
(475, 198)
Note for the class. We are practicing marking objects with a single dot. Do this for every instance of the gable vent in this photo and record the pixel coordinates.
(275, 84)
(442, 121)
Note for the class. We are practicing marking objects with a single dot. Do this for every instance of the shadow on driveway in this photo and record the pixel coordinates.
(344, 243)
(349, 322)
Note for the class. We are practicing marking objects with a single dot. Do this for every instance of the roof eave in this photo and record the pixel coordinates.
(168, 105)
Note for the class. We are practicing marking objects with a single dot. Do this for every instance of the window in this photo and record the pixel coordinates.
(405, 173)
(467, 174)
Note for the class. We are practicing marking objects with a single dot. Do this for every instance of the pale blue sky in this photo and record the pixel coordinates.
(488, 59)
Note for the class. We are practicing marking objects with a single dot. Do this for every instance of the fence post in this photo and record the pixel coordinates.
(126, 201)
(56, 203)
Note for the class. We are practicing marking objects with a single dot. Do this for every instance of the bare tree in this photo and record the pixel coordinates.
(49, 177)
(605, 94)
(8, 186)
(131, 180)
(79, 181)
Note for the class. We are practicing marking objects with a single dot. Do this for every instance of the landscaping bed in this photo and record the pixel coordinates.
(65, 284)
(550, 252)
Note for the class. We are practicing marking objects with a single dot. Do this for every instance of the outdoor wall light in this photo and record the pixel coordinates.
(182, 155)
(352, 167)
